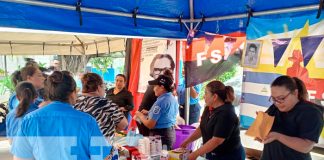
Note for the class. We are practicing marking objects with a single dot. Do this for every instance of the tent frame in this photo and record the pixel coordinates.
(191, 21)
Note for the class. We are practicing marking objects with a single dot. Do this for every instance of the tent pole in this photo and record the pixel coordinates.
(187, 96)
(5, 65)
(174, 20)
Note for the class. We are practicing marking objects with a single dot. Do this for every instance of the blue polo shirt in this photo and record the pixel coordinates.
(164, 111)
(57, 131)
(13, 123)
(13, 101)
(181, 91)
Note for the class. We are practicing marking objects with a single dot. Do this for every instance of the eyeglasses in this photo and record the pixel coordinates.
(278, 100)
(159, 70)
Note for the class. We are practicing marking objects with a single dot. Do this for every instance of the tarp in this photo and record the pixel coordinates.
(153, 18)
(31, 42)
(290, 46)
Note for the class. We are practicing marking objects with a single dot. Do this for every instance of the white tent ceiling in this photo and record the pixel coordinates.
(32, 42)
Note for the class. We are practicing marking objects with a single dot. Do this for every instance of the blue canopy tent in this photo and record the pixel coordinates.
(146, 18)
(153, 18)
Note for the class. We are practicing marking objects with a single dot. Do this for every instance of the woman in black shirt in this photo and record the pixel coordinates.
(297, 125)
(219, 126)
(121, 96)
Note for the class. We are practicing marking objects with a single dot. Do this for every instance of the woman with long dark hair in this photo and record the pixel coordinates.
(219, 127)
(26, 94)
(58, 131)
(297, 124)
(32, 74)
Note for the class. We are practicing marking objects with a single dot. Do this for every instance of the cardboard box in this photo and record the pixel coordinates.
(177, 155)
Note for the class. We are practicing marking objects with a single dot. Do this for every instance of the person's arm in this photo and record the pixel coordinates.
(194, 136)
(149, 123)
(129, 102)
(207, 147)
(298, 144)
(193, 93)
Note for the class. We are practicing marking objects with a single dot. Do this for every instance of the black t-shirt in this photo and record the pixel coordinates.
(303, 121)
(124, 98)
(221, 122)
(148, 99)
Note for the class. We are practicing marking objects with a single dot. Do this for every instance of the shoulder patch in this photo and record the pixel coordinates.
(156, 110)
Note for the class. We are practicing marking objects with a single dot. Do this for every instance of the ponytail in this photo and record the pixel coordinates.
(229, 94)
(302, 91)
(26, 93)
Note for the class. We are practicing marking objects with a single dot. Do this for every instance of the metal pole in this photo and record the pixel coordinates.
(187, 97)
(174, 20)
(5, 65)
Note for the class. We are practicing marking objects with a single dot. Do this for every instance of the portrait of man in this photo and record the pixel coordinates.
(252, 54)
(160, 63)
(156, 57)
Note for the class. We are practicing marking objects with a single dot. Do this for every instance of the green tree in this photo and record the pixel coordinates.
(6, 85)
(102, 63)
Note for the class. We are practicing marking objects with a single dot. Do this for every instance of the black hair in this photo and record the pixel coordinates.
(225, 93)
(59, 86)
(121, 75)
(26, 93)
(28, 71)
(302, 91)
(252, 45)
(16, 77)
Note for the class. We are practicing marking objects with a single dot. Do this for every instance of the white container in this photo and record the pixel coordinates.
(141, 146)
(158, 145)
(147, 145)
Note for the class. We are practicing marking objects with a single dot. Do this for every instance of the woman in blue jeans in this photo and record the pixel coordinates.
(219, 127)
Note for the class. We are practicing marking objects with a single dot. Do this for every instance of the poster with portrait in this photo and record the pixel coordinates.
(156, 56)
(251, 54)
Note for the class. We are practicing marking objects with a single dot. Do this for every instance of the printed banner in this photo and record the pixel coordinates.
(156, 56)
(290, 46)
(208, 57)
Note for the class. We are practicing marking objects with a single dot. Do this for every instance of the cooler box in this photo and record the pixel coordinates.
(182, 134)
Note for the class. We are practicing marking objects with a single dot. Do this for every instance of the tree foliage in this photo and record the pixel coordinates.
(102, 63)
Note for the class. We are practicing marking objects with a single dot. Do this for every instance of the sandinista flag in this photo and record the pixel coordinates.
(290, 46)
(208, 57)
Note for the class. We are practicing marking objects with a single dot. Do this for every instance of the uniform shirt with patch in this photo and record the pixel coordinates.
(303, 121)
(164, 111)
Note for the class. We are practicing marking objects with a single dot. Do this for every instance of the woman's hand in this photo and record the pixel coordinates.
(192, 156)
(272, 136)
(145, 112)
(184, 144)
(138, 114)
